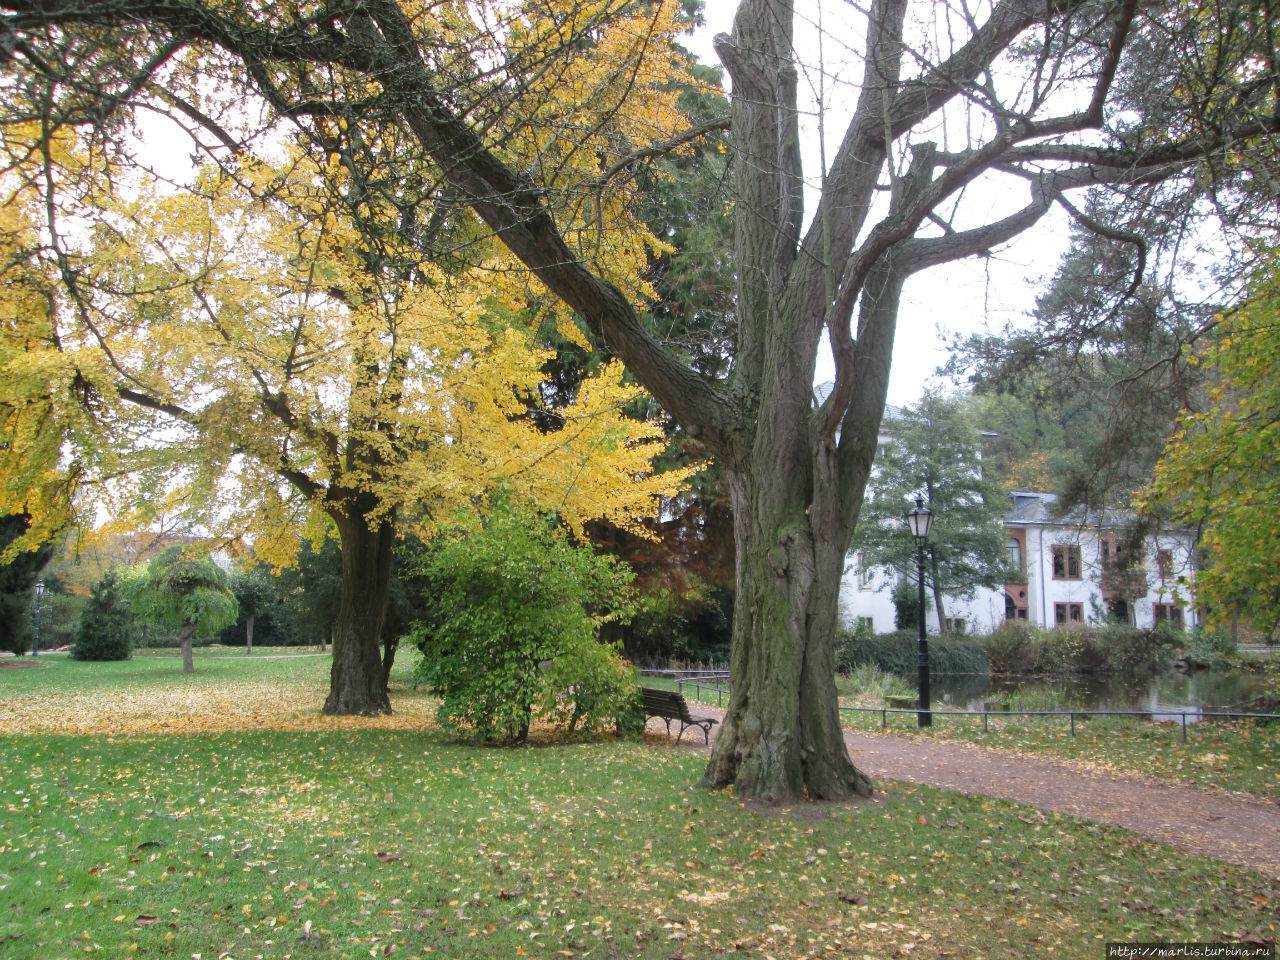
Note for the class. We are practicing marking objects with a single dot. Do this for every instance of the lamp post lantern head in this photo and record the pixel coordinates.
(919, 519)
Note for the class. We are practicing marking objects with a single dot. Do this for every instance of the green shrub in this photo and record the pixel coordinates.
(512, 637)
(1011, 647)
(1135, 652)
(1020, 649)
(899, 653)
(1209, 648)
(906, 605)
(1061, 651)
(107, 629)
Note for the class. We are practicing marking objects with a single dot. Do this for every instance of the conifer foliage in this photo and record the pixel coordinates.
(108, 628)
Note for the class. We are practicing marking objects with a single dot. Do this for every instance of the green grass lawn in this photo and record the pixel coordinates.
(287, 838)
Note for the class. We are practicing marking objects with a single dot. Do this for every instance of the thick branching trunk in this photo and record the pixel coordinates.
(357, 684)
(781, 738)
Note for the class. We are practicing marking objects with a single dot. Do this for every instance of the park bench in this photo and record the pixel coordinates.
(669, 705)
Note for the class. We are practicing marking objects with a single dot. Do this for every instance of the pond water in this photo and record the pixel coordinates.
(1167, 695)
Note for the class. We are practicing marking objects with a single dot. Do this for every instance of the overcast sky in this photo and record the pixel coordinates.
(963, 297)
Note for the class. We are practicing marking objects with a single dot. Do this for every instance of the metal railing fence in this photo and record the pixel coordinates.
(717, 683)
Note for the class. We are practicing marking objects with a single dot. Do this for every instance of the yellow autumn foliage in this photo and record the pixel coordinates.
(284, 341)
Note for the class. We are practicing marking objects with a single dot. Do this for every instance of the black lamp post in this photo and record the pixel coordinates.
(35, 618)
(919, 519)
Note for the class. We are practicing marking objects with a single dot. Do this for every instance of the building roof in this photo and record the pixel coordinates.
(1041, 508)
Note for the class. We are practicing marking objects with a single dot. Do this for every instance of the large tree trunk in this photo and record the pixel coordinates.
(248, 634)
(356, 681)
(781, 738)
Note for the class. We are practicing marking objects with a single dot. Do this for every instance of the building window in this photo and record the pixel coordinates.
(864, 625)
(1013, 556)
(1065, 613)
(1116, 555)
(1066, 561)
(1164, 563)
(956, 624)
(1118, 610)
(866, 573)
(1168, 613)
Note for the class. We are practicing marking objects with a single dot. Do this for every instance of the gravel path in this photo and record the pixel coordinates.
(1233, 827)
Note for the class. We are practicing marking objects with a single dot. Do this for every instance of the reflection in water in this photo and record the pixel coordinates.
(1166, 696)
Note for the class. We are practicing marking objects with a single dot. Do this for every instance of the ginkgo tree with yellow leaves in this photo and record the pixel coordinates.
(251, 364)
(316, 331)
(34, 381)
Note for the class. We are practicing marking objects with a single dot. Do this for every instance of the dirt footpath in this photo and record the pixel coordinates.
(1233, 827)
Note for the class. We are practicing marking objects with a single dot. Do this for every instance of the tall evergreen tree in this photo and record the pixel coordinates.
(934, 453)
(18, 577)
(108, 629)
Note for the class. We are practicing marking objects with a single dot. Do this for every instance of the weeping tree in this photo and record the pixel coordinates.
(186, 593)
(966, 125)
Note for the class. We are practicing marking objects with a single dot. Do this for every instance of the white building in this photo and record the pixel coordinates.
(1073, 569)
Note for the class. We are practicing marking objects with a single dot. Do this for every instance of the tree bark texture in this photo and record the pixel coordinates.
(357, 684)
(390, 645)
(184, 640)
(938, 605)
(781, 737)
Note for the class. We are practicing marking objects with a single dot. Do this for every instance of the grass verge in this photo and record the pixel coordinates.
(1230, 755)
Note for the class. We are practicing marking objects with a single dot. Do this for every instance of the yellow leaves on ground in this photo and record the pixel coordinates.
(239, 697)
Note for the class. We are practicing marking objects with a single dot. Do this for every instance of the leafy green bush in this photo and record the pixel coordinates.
(1011, 648)
(1128, 650)
(1020, 649)
(107, 629)
(513, 634)
(1209, 648)
(899, 653)
(906, 605)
